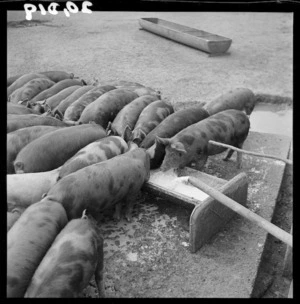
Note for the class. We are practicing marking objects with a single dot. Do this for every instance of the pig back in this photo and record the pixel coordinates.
(174, 123)
(72, 259)
(53, 149)
(102, 185)
(100, 150)
(229, 127)
(15, 122)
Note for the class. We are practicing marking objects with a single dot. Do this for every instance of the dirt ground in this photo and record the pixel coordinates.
(101, 45)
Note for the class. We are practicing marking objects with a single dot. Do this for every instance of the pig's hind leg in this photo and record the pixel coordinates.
(239, 155)
(129, 203)
(118, 208)
(99, 272)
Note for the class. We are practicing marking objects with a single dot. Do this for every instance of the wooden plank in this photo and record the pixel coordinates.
(243, 211)
(210, 216)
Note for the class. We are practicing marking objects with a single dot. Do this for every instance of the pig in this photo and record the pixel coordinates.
(52, 150)
(103, 185)
(23, 190)
(73, 112)
(129, 115)
(19, 109)
(97, 151)
(28, 240)
(12, 216)
(239, 99)
(141, 91)
(169, 127)
(191, 144)
(105, 108)
(150, 117)
(64, 104)
(68, 266)
(15, 122)
(17, 140)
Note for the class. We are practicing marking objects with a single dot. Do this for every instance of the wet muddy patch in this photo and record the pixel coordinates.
(29, 23)
(272, 118)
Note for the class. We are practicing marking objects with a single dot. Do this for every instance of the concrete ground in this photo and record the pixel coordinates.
(110, 45)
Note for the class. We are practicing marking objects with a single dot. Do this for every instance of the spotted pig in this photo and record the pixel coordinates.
(28, 240)
(53, 149)
(103, 185)
(191, 144)
(170, 126)
(239, 99)
(97, 151)
(68, 266)
(150, 117)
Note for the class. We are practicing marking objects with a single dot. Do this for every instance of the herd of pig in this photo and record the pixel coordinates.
(74, 149)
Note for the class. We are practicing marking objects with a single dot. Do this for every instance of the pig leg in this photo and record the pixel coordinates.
(200, 162)
(99, 273)
(239, 155)
(117, 214)
(129, 203)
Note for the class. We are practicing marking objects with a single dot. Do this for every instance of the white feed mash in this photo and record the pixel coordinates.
(171, 182)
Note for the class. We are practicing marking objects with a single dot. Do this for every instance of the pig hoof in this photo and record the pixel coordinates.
(116, 217)
(225, 159)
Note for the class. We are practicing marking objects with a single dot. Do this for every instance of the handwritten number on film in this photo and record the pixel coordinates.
(71, 7)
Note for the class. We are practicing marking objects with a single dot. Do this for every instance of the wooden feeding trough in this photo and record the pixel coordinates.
(208, 216)
(201, 40)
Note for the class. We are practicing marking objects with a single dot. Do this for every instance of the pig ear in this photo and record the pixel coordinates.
(127, 134)
(19, 167)
(151, 151)
(22, 101)
(178, 147)
(108, 129)
(57, 112)
(163, 141)
(44, 195)
(139, 136)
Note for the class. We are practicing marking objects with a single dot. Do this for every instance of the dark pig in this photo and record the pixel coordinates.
(74, 257)
(18, 109)
(54, 100)
(103, 185)
(64, 104)
(170, 126)
(141, 91)
(56, 88)
(129, 115)
(105, 108)
(31, 89)
(239, 99)
(57, 76)
(150, 117)
(15, 122)
(52, 150)
(22, 80)
(28, 240)
(97, 151)
(74, 111)
(53, 75)
(191, 144)
(17, 140)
